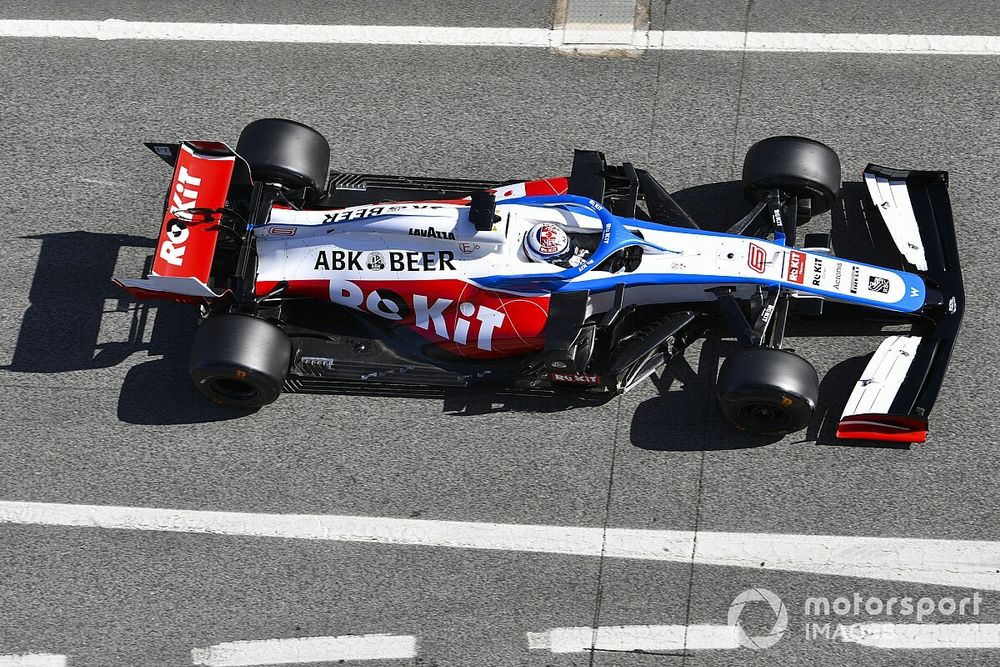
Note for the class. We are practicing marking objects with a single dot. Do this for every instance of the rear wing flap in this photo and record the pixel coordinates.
(204, 174)
(897, 390)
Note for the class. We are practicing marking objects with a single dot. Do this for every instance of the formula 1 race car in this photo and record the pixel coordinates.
(309, 280)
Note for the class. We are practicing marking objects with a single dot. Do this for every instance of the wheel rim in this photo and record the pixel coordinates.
(766, 417)
(236, 390)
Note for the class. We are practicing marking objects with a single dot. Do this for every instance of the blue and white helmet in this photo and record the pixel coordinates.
(547, 242)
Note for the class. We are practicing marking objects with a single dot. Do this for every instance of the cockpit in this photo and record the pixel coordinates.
(551, 242)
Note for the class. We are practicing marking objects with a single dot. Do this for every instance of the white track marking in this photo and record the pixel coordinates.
(264, 32)
(962, 563)
(924, 635)
(634, 638)
(33, 660)
(305, 650)
(782, 42)
(816, 42)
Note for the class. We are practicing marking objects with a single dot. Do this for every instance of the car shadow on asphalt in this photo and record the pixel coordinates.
(72, 299)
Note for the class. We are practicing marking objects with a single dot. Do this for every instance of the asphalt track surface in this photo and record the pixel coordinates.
(98, 410)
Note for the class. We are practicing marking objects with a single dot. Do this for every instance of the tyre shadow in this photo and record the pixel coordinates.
(687, 418)
(715, 207)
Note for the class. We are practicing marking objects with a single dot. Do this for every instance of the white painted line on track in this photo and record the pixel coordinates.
(925, 635)
(635, 638)
(264, 32)
(900, 636)
(306, 649)
(963, 563)
(815, 42)
(33, 660)
(778, 42)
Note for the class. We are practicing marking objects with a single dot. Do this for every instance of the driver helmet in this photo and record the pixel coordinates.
(547, 242)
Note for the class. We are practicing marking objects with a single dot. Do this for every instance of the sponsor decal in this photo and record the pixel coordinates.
(338, 260)
(776, 219)
(765, 315)
(375, 262)
(163, 151)
(756, 258)
(575, 378)
(879, 284)
(184, 197)
(468, 248)
(914, 292)
(838, 274)
(187, 237)
(172, 249)
(185, 194)
(372, 211)
(431, 233)
(796, 267)
(474, 324)
(281, 231)
(350, 260)
(354, 214)
(855, 271)
(817, 271)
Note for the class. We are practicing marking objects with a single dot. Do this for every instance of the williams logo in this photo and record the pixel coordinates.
(431, 233)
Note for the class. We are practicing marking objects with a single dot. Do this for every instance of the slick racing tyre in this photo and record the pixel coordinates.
(285, 152)
(798, 166)
(767, 391)
(240, 360)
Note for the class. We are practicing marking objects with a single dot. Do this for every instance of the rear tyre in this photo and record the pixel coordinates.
(240, 360)
(285, 152)
(767, 391)
(803, 168)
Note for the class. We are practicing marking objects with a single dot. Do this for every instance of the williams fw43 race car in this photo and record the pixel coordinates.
(310, 281)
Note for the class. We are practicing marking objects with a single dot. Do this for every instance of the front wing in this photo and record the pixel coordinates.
(894, 396)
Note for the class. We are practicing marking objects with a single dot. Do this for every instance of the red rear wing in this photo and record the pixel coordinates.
(187, 239)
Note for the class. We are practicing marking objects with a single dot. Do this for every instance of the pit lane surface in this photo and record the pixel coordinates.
(99, 411)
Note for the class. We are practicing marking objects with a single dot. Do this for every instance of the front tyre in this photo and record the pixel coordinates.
(767, 391)
(803, 168)
(240, 360)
